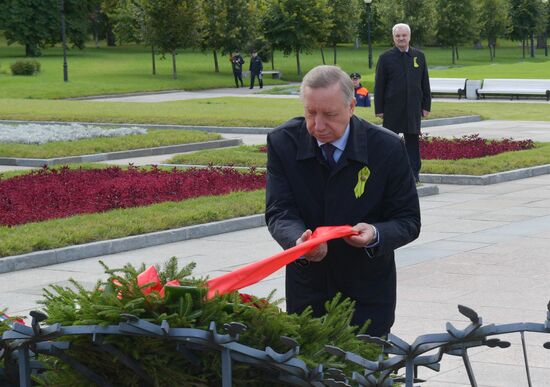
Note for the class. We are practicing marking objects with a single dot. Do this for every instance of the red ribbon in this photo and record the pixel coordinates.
(256, 271)
(150, 276)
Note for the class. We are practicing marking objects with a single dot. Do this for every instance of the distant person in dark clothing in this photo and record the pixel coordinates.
(362, 96)
(256, 68)
(237, 62)
(402, 92)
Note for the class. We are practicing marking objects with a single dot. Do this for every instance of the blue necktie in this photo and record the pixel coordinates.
(329, 149)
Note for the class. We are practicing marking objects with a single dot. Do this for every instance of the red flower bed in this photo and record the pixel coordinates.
(467, 147)
(57, 193)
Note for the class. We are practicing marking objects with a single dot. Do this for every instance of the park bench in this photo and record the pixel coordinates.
(515, 87)
(448, 86)
(275, 74)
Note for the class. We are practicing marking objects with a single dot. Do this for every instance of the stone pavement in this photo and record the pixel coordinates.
(485, 247)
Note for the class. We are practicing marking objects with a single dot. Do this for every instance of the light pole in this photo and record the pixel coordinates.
(368, 13)
(64, 41)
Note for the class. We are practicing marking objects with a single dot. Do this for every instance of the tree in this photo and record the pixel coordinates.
(36, 23)
(344, 17)
(215, 12)
(457, 23)
(418, 14)
(493, 21)
(174, 24)
(297, 26)
(525, 17)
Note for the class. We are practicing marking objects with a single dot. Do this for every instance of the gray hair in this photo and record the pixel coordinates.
(325, 76)
(400, 25)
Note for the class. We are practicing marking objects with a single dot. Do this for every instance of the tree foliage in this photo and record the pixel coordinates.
(457, 23)
(418, 14)
(297, 26)
(36, 24)
(344, 19)
(493, 22)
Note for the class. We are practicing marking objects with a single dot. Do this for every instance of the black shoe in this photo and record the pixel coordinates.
(250, 88)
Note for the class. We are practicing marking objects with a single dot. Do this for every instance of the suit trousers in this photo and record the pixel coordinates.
(412, 143)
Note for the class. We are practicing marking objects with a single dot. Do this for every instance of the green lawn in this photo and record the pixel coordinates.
(250, 156)
(109, 70)
(233, 111)
(153, 138)
(124, 222)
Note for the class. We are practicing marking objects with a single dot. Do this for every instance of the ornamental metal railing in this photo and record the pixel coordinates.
(22, 344)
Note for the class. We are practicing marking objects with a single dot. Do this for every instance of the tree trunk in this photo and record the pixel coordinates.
(32, 50)
(523, 47)
(111, 40)
(357, 43)
(153, 60)
(216, 65)
(532, 45)
(174, 73)
(298, 67)
(541, 40)
(456, 48)
(272, 59)
(453, 51)
(334, 49)
(323, 55)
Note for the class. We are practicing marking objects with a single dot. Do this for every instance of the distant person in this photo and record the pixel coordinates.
(237, 62)
(256, 68)
(402, 92)
(362, 96)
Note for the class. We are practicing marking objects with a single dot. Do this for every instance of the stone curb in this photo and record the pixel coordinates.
(143, 152)
(113, 246)
(242, 129)
(492, 178)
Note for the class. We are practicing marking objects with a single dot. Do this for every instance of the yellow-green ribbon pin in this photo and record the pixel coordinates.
(415, 63)
(362, 177)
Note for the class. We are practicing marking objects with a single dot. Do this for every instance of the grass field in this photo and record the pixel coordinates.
(232, 111)
(108, 70)
(153, 138)
(124, 222)
(249, 156)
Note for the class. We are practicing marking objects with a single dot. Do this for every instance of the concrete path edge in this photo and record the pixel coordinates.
(492, 178)
(99, 248)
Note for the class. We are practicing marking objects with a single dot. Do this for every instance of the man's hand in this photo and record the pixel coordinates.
(425, 113)
(318, 253)
(365, 236)
(381, 115)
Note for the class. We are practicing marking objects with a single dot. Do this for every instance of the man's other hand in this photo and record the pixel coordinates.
(364, 238)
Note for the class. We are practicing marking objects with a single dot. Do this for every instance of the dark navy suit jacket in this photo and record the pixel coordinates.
(304, 193)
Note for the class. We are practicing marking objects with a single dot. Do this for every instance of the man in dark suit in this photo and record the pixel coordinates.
(332, 168)
(402, 92)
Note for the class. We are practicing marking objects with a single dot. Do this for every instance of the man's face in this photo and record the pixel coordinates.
(401, 38)
(356, 81)
(327, 116)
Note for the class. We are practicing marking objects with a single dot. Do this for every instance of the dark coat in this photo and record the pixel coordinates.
(237, 62)
(256, 66)
(303, 193)
(402, 89)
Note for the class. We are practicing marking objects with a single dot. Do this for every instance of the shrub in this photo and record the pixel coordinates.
(25, 67)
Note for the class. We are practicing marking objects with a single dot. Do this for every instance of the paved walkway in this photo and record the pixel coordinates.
(485, 247)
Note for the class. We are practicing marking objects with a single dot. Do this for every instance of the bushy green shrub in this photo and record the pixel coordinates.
(25, 67)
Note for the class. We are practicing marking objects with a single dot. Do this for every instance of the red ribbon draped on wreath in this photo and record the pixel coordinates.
(252, 273)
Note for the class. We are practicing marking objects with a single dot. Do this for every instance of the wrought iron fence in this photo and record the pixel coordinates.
(22, 344)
